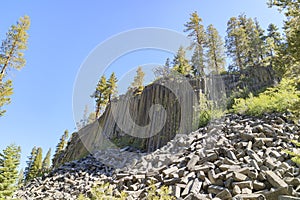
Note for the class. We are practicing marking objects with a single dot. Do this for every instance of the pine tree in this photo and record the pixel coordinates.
(273, 41)
(36, 168)
(21, 178)
(198, 62)
(166, 68)
(101, 95)
(181, 63)
(163, 71)
(245, 42)
(31, 158)
(260, 43)
(12, 57)
(60, 147)
(62, 143)
(138, 81)
(112, 86)
(167, 64)
(6, 91)
(274, 33)
(9, 163)
(290, 52)
(237, 43)
(254, 44)
(46, 162)
(197, 34)
(215, 51)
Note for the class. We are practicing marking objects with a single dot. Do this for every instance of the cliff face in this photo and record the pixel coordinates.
(147, 121)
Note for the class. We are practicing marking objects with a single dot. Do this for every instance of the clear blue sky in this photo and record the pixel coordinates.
(63, 33)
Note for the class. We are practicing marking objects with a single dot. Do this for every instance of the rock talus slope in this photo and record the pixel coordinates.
(238, 157)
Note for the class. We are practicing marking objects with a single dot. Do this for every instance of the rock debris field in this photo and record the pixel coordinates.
(237, 157)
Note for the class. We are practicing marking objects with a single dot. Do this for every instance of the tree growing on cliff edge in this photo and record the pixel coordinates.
(253, 43)
(163, 71)
(181, 63)
(273, 42)
(236, 44)
(138, 80)
(60, 147)
(100, 95)
(12, 57)
(215, 53)
(112, 86)
(9, 163)
(197, 34)
(105, 90)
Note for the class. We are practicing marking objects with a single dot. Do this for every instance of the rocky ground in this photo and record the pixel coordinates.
(237, 157)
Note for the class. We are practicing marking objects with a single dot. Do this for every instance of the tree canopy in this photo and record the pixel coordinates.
(9, 163)
(12, 57)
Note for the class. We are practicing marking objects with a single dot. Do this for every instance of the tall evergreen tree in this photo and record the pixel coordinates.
(259, 43)
(12, 57)
(138, 80)
(197, 34)
(273, 32)
(254, 41)
(36, 168)
(290, 52)
(236, 44)
(101, 95)
(31, 158)
(215, 54)
(21, 178)
(46, 162)
(198, 62)
(112, 86)
(273, 41)
(181, 63)
(9, 163)
(60, 147)
(245, 42)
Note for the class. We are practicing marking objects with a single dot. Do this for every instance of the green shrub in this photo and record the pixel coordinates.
(109, 192)
(281, 99)
(208, 111)
(295, 156)
(103, 192)
(82, 197)
(159, 194)
(237, 94)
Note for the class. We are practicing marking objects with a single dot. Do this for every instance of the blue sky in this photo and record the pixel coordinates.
(62, 35)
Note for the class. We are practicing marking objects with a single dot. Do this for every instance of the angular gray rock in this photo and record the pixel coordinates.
(245, 162)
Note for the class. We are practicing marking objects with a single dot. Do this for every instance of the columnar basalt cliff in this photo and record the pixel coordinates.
(177, 100)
